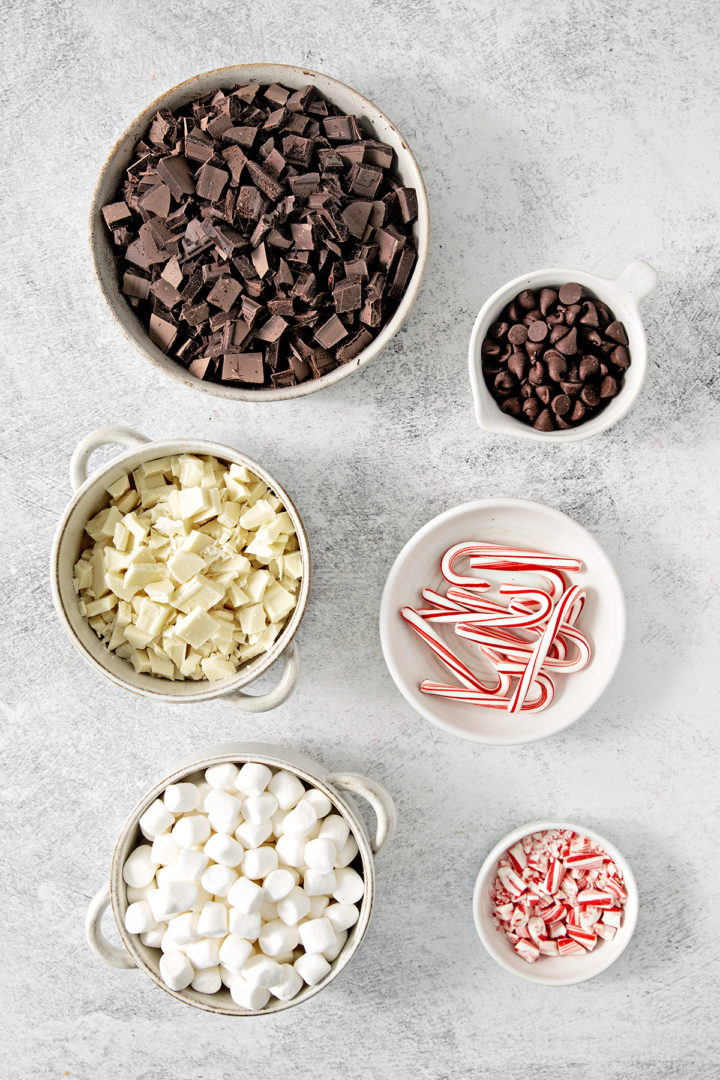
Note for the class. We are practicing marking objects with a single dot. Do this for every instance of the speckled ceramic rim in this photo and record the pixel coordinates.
(93, 650)
(276, 758)
(502, 951)
(121, 154)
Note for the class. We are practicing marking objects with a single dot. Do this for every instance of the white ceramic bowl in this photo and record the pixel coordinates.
(622, 295)
(517, 523)
(89, 497)
(136, 955)
(551, 970)
(121, 154)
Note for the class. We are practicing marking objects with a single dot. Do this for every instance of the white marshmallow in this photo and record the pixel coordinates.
(252, 836)
(317, 935)
(213, 920)
(262, 971)
(226, 976)
(259, 808)
(182, 929)
(287, 789)
(172, 898)
(277, 939)
(247, 996)
(207, 981)
(152, 938)
(317, 884)
(278, 884)
(245, 925)
(253, 778)
(234, 951)
(218, 880)
(320, 855)
(318, 905)
(294, 907)
(201, 899)
(165, 850)
(135, 895)
(291, 850)
(176, 970)
(277, 822)
(223, 806)
(348, 853)
(169, 944)
(290, 986)
(336, 829)
(224, 849)
(350, 886)
(319, 802)
(245, 895)
(156, 820)
(139, 918)
(342, 916)
(259, 862)
(222, 776)
(300, 821)
(218, 824)
(194, 829)
(268, 911)
(204, 953)
(334, 951)
(181, 798)
(311, 968)
(139, 868)
(189, 866)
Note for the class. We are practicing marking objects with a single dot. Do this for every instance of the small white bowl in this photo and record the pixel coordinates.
(622, 295)
(551, 970)
(517, 523)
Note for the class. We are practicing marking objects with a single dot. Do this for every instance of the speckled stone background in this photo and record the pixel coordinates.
(580, 134)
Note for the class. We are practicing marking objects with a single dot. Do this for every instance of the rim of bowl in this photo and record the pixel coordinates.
(386, 613)
(347, 811)
(484, 404)
(207, 690)
(632, 906)
(174, 369)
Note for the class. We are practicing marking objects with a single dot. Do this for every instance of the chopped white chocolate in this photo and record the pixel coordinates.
(193, 570)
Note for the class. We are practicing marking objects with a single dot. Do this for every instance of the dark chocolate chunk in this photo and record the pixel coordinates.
(176, 173)
(117, 215)
(210, 183)
(243, 367)
(330, 333)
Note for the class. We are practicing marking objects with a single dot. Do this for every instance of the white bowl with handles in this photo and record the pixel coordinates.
(551, 970)
(89, 497)
(622, 295)
(339, 788)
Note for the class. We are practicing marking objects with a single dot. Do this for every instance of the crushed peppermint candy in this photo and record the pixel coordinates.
(557, 893)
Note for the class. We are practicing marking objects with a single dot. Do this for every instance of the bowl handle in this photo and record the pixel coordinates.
(378, 797)
(255, 703)
(101, 437)
(111, 954)
(637, 280)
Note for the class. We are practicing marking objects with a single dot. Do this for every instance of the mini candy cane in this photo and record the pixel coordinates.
(492, 701)
(573, 596)
(485, 557)
(449, 659)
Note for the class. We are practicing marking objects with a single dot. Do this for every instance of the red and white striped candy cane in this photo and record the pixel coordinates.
(448, 657)
(570, 598)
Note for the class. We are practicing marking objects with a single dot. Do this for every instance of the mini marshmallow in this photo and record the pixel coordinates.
(139, 868)
(277, 823)
(299, 822)
(259, 862)
(182, 929)
(218, 880)
(176, 970)
(234, 951)
(336, 829)
(290, 986)
(287, 789)
(334, 951)
(311, 968)
(207, 981)
(190, 865)
(342, 916)
(318, 905)
(244, 925)
(139, 918)
(222, 776)
(153, 938)
(156, 820)
(319, 802)
(317, 935)
(201, 899)
(224, 849)
(134, 895)
(350, 886)
(204, 953)
(220, 825)
(320, 855)
(253, 778)
(194, 829)
(278, 884)
(165, 850)
(248, 996)
(213, 920)
(252, 836)
(268, 911)
(262, 971)
(258, 808)
(246, 895)
(223, 806)
(276, 938)
(294, 907)
(172, 898)
(317, 884)
(181, 798)
(348, 853)
(291, 850)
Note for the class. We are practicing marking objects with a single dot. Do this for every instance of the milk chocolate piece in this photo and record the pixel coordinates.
(330, 333)
(243, 367)
(117, 215)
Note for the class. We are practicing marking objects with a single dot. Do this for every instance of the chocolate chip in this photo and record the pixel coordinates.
(545, 421)
(517, 334)
(518, 365)
(511, 406)
(532, 408)
(538, 330)
(589, 315)
(526, 299)
(568, 344)
(504, 383)
(570, 293)
(556, 365)
(548, 297)
(536, 374)
(608, 387)
(578, 412)
(590, 395)
(589, 367)
(544, 393)
(561, 404)
(620, 357)
(616, 332)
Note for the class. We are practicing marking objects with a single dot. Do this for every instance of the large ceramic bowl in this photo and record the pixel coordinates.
(223, 78)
